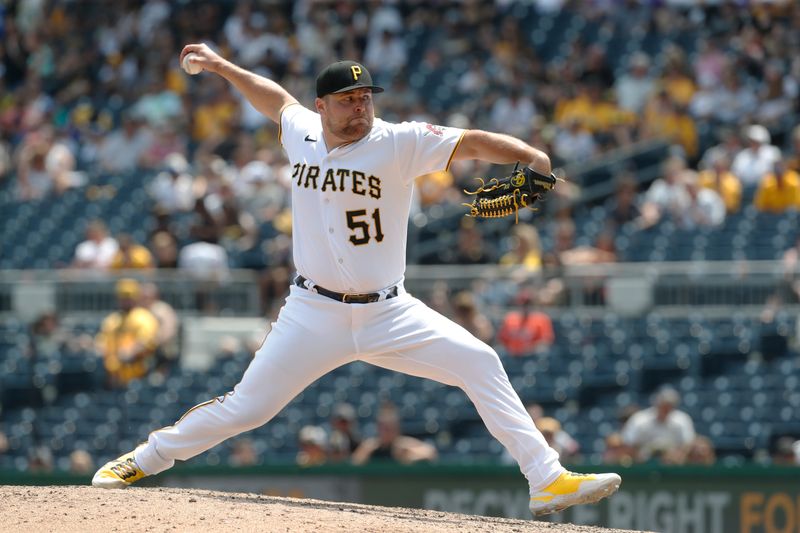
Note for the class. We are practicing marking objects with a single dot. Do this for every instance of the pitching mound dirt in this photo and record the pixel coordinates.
(86, 509)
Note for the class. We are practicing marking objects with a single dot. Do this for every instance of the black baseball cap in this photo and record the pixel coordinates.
(344, 76)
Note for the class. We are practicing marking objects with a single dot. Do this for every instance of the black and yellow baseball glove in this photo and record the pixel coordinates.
(501, 197)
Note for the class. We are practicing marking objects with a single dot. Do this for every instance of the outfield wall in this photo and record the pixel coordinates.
(672, 500)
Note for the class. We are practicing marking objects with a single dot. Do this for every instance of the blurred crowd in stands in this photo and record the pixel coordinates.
(91, 91)
(87, 92)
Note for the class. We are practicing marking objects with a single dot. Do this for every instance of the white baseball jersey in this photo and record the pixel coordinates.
(350, 206)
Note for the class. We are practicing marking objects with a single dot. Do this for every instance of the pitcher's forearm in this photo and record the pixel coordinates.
(501, 149)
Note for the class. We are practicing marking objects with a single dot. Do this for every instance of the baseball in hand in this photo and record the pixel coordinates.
(189, 64)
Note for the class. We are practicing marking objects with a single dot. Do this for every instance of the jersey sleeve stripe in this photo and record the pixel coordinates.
(280, 120)
(450, 160)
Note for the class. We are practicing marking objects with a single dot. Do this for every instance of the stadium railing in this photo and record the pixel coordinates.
(90, 292)
(718, 288)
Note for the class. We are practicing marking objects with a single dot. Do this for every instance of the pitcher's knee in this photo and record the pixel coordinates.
(483, 354)
(480, 362)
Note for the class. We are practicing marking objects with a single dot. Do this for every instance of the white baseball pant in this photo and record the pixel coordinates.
(315, 334)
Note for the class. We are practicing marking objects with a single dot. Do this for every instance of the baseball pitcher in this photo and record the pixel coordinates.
(352, 182)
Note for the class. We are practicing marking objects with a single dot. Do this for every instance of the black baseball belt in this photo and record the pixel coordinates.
(344, 297)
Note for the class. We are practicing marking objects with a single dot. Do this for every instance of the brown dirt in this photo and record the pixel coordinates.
(87, 509)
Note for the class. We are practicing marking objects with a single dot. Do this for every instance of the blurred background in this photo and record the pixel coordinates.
(647, 315)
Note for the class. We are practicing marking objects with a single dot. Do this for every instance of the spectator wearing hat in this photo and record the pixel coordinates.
(344, 438)
(551, 430)
(311, 440)
(566, 446)
(128, 337)
(562, 442)
(757, 158)
(659, 428)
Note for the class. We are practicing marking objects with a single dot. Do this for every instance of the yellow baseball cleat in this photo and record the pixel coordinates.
(119, 473)
(573, 489)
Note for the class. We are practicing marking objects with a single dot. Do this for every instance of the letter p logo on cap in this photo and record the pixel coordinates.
(356, 72)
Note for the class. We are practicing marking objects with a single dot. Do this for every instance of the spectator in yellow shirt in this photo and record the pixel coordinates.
(591, 109)
(663, 117)
(526, 248)
(719, 178)
(128, 337)
(434, 188)
(215, 118)
(779, 190)
(131, 255)
(676, 79)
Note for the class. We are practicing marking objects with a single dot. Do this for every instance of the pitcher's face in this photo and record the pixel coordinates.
(347, 115)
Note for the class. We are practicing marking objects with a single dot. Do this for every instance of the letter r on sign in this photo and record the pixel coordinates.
(356, 72)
